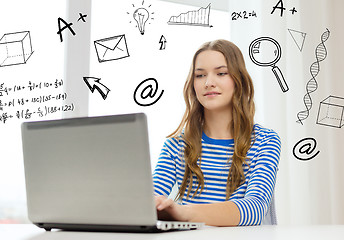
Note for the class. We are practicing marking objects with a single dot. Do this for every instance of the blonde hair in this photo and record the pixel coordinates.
(243, 110)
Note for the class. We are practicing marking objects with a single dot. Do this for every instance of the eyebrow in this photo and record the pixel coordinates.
(219, 67)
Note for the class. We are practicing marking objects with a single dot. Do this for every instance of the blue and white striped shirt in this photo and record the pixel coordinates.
(252, 197)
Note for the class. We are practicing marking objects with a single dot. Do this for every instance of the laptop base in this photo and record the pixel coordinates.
(161, 226)
(97, 228)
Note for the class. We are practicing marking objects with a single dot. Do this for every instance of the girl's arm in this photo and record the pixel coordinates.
(214, 214)
(164, 176)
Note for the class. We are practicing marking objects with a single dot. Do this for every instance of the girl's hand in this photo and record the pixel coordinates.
(169, 210)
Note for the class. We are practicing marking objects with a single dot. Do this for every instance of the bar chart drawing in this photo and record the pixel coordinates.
(198, 17)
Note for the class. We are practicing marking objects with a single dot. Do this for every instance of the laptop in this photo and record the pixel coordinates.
(93, 174)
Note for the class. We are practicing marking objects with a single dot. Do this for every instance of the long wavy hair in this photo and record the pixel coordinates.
(241, 126)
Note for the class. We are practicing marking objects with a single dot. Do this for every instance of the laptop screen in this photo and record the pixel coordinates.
(93, 170)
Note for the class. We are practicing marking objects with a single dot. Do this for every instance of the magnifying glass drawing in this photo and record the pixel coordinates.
(266, 52)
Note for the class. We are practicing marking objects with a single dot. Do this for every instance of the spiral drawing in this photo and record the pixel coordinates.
(312, 85)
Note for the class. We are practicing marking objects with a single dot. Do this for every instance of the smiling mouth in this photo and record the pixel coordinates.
(212, 94)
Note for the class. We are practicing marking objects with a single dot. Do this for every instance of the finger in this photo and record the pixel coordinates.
(159, 200)
(165, 203)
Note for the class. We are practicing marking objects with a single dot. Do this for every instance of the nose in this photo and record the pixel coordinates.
(209, 81)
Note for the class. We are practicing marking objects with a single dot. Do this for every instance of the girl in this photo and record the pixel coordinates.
(224, 165)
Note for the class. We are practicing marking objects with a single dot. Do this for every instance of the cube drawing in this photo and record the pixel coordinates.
(331, 112)
(15, 48)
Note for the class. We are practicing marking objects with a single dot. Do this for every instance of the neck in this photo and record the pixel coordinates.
(217, 124)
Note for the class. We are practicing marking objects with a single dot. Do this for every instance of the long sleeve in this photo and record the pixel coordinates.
(255, 203)
(164, 176)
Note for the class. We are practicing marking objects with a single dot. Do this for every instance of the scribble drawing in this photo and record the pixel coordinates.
(15, 48)
(198, 17)
(331, 112)
(312, 85)
(298, 37)
(111, 48)
(266, 52)
(142, 16)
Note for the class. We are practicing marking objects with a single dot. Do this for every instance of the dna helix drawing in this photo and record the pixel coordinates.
(312, 85)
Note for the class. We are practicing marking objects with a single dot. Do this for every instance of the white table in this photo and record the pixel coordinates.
(315, 232)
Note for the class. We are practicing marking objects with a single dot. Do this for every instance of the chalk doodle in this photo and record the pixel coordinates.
(4, 89)
(198, 17)
(312, 85)
(112, 48)
(142, 16)
(279, 5)
(331, 112)
(94, 83)
(303, 149)
(82, 17)
(298, 37)
(147, 89)
(35, 102)
(243, 15)
(15, 48)
(266, 52)
(68, 26)
(162, 42)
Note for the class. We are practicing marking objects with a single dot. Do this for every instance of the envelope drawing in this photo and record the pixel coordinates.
(112, 48)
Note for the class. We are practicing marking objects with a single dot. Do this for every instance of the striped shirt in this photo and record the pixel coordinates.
(252, 197)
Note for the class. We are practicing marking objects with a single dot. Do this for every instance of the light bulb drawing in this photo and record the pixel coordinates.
(141, 15)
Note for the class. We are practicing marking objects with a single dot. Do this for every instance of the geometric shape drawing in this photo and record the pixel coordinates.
(111, 48)
(298, 37)
(266, 52)
(15, 48)
(331, 112)
(312, 85)
(198, 17)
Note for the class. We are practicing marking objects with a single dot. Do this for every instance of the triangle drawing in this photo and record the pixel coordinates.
(298, 37)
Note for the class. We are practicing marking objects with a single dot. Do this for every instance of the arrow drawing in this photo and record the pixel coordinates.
(162, 41)
(93, 83)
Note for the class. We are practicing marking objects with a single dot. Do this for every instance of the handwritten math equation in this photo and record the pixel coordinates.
(5, 90)
(243, 15)
(31, 100)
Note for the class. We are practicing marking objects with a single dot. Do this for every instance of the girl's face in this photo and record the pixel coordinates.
(213, 86)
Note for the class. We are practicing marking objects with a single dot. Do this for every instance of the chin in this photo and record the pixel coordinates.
(216, 108)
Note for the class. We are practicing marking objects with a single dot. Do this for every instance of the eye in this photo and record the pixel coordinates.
(222, 73)
(199, 75)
